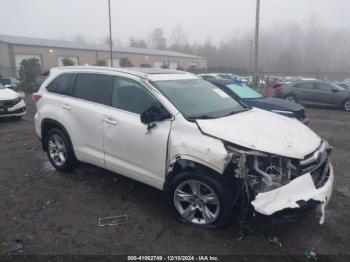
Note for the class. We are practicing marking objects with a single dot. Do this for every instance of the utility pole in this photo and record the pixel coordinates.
(256, 55)
(250, 56)
(110, 32)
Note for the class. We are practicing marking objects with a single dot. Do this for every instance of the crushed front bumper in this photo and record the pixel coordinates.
(294, 195)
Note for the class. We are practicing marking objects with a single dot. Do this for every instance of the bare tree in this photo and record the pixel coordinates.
(137, 43)
(157, 39)
(79, 38)
(178, 38)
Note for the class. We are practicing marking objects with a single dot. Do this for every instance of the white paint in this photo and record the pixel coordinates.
(301, 188)
(165, 77)
(7, 94)
(264, 131)
(187, 141)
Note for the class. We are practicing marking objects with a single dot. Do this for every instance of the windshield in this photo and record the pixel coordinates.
(197, 98)
(339, 87)
(244, 91)
(347, 86)
(1, 86)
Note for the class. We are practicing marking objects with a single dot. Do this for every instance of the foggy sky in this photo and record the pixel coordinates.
(201, 19)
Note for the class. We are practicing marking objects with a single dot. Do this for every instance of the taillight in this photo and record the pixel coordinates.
(36, 97)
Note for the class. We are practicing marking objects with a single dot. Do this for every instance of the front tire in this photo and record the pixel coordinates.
(60, 151)
(200, 199)
(346, 105)
(291, 98)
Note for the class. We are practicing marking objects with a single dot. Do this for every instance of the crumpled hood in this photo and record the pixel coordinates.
(7, 94)
(264, 131)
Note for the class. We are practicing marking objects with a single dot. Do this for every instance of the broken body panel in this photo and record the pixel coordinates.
(239, 139)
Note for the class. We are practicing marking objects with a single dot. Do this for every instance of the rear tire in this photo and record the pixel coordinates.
(209, 205)
(291, 98)
(60, 151)
(346, 105)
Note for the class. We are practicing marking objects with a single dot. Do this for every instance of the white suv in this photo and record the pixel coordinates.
(181, 134)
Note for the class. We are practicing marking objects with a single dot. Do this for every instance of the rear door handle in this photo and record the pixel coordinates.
(67, 107)
(110, 121)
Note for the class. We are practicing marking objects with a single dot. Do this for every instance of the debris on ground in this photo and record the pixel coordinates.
(275, 241)
(309, 254)
(113, 221)
(17, 246)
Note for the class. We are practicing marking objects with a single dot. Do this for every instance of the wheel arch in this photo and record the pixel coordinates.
(184, 163)
(343, 102)
(46, 125)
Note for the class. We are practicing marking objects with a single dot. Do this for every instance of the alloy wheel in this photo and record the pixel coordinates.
(347, 105)
(57, 150)
(197, 202)
(291, 98)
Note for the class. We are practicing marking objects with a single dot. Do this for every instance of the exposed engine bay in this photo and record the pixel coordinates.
(278, 182)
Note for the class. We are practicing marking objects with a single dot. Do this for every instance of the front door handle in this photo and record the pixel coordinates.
(66, 106)
(110, 121)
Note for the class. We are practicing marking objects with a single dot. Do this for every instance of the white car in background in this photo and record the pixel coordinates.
(11, 103)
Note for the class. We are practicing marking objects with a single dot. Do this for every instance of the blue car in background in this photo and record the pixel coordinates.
(253, 98)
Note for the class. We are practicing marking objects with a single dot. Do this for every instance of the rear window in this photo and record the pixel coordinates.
(94, 88)
(60, 85)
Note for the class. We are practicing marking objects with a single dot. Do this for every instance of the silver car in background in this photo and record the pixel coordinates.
(318, 93)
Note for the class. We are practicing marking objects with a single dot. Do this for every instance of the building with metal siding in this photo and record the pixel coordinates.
(13, 49)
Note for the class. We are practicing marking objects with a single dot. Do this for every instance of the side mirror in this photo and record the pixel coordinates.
(153, 114)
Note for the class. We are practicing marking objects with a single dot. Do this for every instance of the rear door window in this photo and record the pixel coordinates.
(95, 88)
(324, 87)
(61, 85)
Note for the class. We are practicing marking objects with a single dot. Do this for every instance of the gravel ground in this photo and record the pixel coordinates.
(56, 213)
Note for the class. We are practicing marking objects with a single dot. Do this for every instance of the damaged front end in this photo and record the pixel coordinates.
(272, 183)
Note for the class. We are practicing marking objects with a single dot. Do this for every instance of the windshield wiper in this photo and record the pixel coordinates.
(201, 117)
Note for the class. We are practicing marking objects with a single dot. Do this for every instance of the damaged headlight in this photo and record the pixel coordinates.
(263, 172)
(275, 171)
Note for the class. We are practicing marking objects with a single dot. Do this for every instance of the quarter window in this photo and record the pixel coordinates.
(94, 87)
(60, 85)
(131, 96)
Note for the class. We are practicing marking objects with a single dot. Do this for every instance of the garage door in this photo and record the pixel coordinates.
(20, 58)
